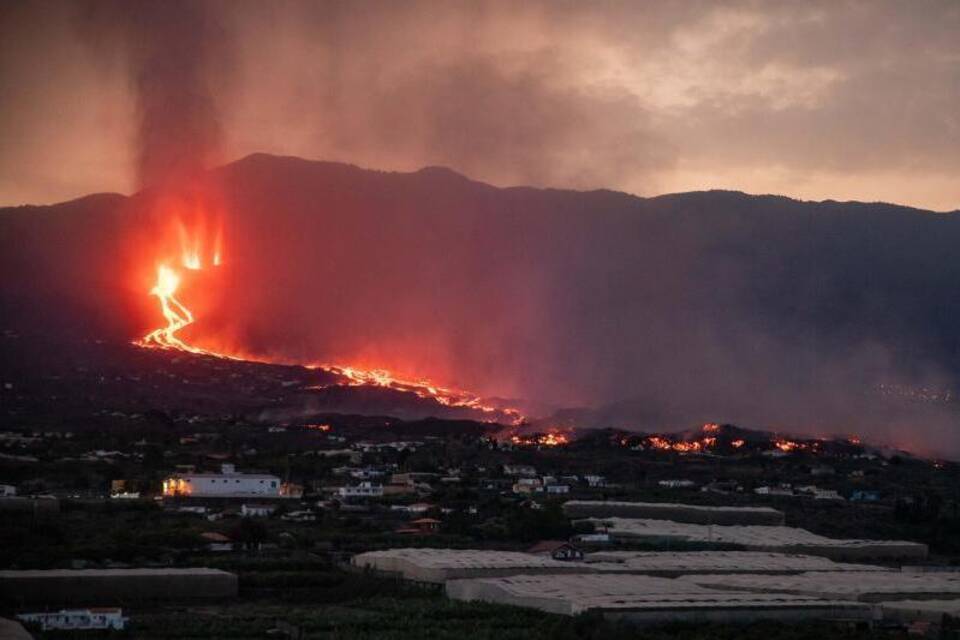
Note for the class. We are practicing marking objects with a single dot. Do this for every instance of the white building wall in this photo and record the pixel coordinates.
(235, 484)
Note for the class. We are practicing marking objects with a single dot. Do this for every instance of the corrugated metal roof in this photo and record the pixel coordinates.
(849, 585)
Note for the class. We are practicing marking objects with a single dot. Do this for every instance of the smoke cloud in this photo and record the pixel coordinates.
(849, 100)
(176, 55)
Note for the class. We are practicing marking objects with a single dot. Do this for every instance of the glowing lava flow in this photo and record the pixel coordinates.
(422, 389)
(549, 439)
(178, 316)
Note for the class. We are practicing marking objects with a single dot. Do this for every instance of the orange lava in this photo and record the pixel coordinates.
(197, 252)
(698, 445)
(422, 388)
(788, 446)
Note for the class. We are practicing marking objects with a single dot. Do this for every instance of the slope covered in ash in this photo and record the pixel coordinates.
(50, 383)
(654, 313)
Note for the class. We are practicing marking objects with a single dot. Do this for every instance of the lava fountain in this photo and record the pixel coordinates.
(176, 315)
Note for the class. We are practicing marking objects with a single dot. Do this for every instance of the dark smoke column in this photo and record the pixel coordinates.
(177, 53)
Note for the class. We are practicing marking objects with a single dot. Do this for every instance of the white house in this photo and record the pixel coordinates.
(367, 473)
(111, 618)
(228, 483)
(362, 490)
(676, 484)
(7, 490)
(519, 470)
(774, 491)
(595, 481)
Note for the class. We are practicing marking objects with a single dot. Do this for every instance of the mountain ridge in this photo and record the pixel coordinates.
(438, 170)
(667, 311)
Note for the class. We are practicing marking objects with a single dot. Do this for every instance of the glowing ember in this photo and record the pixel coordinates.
(682, 446)
(717, 441)
(423, 389)
(176, 487)
(551, 439)
(788, 446)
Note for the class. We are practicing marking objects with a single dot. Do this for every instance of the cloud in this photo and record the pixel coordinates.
(844, 100)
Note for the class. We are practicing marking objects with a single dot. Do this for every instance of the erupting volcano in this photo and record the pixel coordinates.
(177, 315)
(597, 310)
(194, 256)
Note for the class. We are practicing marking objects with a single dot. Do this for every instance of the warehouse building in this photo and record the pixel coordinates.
(695, 514)
(865, 587)
(666, 563)
(114, 586)
(648, 600)
(759, 538)
(226, 484)
(440, 565)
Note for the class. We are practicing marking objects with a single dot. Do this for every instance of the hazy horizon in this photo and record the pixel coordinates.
(361, 167)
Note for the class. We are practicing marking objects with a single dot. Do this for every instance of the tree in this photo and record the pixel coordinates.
(250, 533)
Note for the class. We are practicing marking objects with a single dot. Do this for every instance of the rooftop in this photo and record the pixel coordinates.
(238, 476)
(677, 563)
(871, 587)
(750, 536)
(573, 594)
(109, 573)
(669, 505)
(674, 511)
(440, 565)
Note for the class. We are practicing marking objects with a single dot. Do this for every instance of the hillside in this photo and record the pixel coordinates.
(658, 312)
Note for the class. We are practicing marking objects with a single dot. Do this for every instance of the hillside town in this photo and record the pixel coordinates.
(130, 520)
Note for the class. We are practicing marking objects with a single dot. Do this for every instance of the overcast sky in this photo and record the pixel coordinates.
(816, 100)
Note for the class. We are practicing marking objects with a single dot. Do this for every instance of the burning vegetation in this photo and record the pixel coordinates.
(719, 439)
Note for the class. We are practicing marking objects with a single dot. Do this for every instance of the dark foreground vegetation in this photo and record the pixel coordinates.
(282, 599)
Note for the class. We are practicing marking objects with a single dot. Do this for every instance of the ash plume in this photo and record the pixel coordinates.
(175, 53)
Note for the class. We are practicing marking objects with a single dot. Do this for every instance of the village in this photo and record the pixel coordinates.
(206, 511)
(143, 490)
